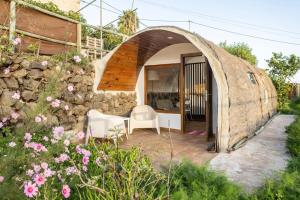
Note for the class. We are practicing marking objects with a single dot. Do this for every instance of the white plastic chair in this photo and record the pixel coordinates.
(102, 126)
(144, 116)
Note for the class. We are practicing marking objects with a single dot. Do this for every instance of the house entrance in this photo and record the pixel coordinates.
(196, 96)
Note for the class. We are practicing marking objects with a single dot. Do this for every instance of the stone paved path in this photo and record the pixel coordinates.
(261, 158)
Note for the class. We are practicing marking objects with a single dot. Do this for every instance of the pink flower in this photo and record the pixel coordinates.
(1, 124)
(67, 142)
(45, 138)
(70, 170)
(78, 149)
(6, 70)
(12, 144)
(1, 179)
(85, 160)
(29, 172)
(36, 168)
(80, 135)
(27, 137)
(38, 119)
(48, 173)
(55, 103)
(39, 179)
(17, 41)
(44, 165)
(58, 132)
(66, 191)
(86, 152)
(44, 63)
(39, 147)
(77, 59)
(16, 95)
(14, 115)
(70, 88)
(62, 158)
(98, 161)
(66, 107)
(49, 98)
(30, 189)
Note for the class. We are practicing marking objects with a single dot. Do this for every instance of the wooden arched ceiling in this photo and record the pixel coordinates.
(123, 67)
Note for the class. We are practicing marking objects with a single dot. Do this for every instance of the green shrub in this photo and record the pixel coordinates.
(193, 182)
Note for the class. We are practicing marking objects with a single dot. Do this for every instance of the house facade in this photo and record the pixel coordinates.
(192, 83)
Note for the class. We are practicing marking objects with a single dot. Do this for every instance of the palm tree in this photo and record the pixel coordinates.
(128, 22)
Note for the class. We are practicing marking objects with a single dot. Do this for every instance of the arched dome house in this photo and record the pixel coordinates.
(192, 83)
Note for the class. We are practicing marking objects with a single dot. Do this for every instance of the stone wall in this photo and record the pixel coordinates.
(27, 76)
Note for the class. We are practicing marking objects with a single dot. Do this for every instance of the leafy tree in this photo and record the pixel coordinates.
(128, 22)
(110, 40)
(281, 70)
(241, 50)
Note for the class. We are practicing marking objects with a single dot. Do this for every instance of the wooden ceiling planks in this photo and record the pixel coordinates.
(122, 69)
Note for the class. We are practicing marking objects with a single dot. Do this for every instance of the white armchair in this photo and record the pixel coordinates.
(102, 126)
(144, 117)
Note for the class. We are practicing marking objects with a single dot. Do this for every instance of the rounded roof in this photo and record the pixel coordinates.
(243, 104)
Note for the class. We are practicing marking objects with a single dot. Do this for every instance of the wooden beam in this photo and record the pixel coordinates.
(78, 38)
(12, 20)
(40, 37)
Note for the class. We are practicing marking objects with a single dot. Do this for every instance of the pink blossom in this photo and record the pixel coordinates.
(70, 88)
(71, 170)
(77, 59)
(30, 189)
(44, 165)
(55, 103)
(1, 179)
(78, 149)
(12, 144)
(38, 119)
(48, 172)
(1, 124)
(29, 172)
(15, 115)
(67, 142)
(44, 63)
(98, 161)
(86, 152)
(66, 191)
(6, 70)
(45, 138)
(66, 107)
(37, 146)
(80, 135)
(17, 41)
(36, 168)
(85, 160)
(62, 158)
(39, 179)
(16, 95)
(27, 136)
(58, 132)
(49, 98)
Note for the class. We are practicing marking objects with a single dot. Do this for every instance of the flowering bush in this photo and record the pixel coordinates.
(47, 165)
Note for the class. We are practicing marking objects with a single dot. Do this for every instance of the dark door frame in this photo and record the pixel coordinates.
(208, 96)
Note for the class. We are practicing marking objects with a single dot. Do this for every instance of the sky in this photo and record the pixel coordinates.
(271, 19)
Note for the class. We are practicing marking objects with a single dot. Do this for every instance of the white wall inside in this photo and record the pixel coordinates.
(170, 55)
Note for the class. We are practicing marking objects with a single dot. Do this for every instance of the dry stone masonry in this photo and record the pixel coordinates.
(28, 77)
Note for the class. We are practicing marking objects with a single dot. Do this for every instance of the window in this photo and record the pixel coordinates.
(162, 87)
(251, 77)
